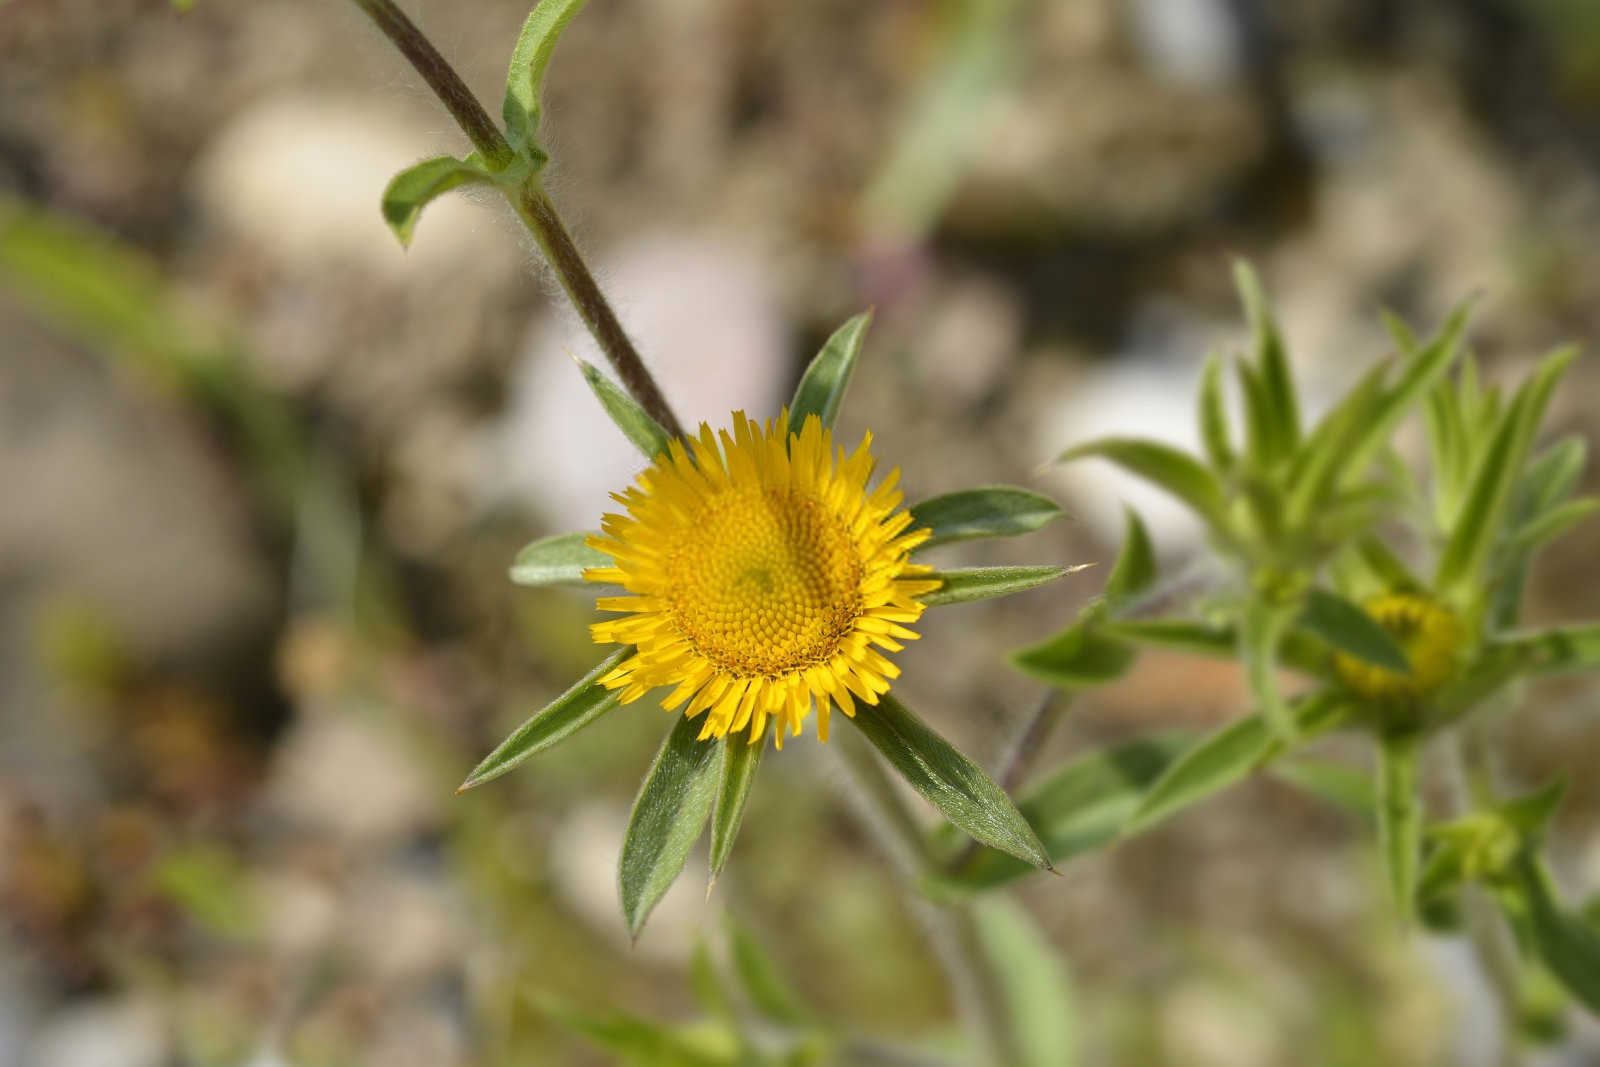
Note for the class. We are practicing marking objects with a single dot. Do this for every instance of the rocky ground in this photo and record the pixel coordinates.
(254, 621)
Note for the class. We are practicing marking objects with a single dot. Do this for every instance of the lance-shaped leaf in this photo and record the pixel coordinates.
(966, 584)
(1349, 629)
(1261, 632)
(990, 511)
(948, 780)
(1420, 369)
(525, 76)
(634, 422)
(667, 819)
(1272, 360)
(1036, 996)
(1554, 473)
(1263, 444)
(1076, 809)
(1338, 783)
(415, 187)
(1213, 416)
(1217, 641)
(1135, 568)
(1229, 755)
(1552, 524)
(1567, 944)
(557, 559)
(638, 1041)
(579, 706)
(1176, 472)
(740, 760)
(1400, 820)
(822, 388)
(762, 979)
(1079, 657)
(1552, 651)
(1478, 526)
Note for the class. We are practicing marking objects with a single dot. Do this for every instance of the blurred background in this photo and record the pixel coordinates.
(263, 473)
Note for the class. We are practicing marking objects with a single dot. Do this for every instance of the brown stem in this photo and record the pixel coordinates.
(443, 80)
(534, 207)
(539, 214)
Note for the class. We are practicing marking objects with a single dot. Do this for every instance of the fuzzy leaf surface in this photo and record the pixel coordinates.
(822, 387)
(667, 819)
(966, 584)
(557, 559)
(991, 511)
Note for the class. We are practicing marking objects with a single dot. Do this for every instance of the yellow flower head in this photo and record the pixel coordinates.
(760, 575)
(1428, 633)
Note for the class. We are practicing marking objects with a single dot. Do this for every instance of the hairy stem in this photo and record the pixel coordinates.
(539, 215)
(532, 206)
(443, 80)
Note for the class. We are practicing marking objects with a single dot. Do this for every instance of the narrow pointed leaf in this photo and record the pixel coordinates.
(1076, 809)
(1390, 570)
(530, 57)
(667, 819)
(1226, 756)
(1552, 651)
(642, 1042)
(552, 560)
(1568, 946)
(1420, 369)
(635, 423)
(1214, 433)
(1080, 657)
(1272, 360)
(966, 584)
(991, 511)
(1319, 464)
(822, 388)
(1400, 820)
(1338, 783)
(769, 993)
(1135, 569)
(1349, 629)
(1479, 524)
(579, 706)
(948, 780)
(1260, 426)
(417, 186)
(1298, 650)
(1037, 997)
(1176, 472)
(1553, 523)
(1554, 473)
(739, 764)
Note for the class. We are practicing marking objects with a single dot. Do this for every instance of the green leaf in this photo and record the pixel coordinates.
(1349, 629)
(1553, 473)
(1391, 572)
(552, 560)
(948, 780)
(1272, 360)
(417, 186)
(1420, 369)
(1184, 635)
(991, 511)
(646, 1043)
(1320, 462)
(1080, 657)
(822, 388)
(1033, 984)
(1227, 756)
(1076, 809)
(1400, 820)
(1552, 651)
(667, 819)
(1553, 523)
(635, 423)
(525, 77)
(1176, 472)
(966, 584)
(1260, 426)
(1135, 569)
(1569, 946)
(1461, 564)
(739, 764)
(579, 706)
(1213, 417)
(1333, 781)
(1530, 814)
(763, 981)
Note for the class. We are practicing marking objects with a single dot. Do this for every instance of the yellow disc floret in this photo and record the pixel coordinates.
(1428, 633)
(762, 576)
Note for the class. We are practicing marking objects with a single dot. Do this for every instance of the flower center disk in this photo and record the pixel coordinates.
(764, 582)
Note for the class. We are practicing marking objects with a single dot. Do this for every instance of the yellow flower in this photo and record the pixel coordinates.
(760, 576)
(1428, 633)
